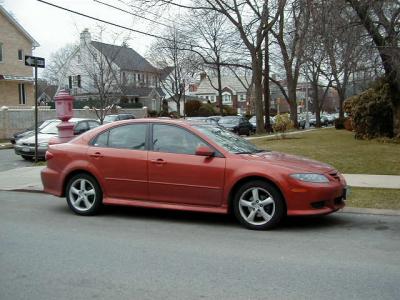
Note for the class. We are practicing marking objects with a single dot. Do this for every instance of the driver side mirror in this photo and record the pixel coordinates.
(204, 151)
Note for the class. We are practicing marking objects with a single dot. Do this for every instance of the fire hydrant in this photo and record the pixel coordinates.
(64, 104)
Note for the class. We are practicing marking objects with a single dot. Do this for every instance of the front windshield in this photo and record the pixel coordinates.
(110, 118)
(228, 140)
(51, 128)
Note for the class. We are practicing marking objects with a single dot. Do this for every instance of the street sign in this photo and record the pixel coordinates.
(36, 62)
(33, 61)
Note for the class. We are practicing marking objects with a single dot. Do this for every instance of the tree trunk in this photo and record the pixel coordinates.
(396, 119)
(257, 80)
(219, 98)
(178, 106)
(292, 103)
(342, 97)
(316, 104)
(267, 95)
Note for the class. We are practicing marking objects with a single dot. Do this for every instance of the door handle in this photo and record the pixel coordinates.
(96, 155)
(159, 161)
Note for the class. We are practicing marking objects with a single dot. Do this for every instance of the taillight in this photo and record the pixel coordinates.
(48, 155)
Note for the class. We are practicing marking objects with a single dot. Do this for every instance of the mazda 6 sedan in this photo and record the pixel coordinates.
(169, 164)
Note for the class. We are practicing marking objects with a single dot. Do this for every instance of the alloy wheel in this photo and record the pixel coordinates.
(82, 195)
(256, 206)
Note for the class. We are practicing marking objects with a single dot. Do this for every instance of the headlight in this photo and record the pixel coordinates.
(43, 145)
(311, 177)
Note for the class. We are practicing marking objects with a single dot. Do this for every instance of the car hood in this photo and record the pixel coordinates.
(42, 138)
(294, 162)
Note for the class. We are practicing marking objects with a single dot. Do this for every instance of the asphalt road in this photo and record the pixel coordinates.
(9, 160)
(46, 252)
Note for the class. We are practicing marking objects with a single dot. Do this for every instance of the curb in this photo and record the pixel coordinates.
(370, 211)
(6, 146)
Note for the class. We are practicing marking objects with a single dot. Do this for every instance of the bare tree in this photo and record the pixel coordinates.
(252, 20)
(58, 62)
(381, 20)
(101, 77)
(290, 34)
(176, 64)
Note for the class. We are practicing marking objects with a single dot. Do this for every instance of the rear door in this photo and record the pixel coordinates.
(120, 156)
(177, 175)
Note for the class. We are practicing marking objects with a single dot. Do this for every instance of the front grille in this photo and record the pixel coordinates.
(338, 201)
(319, 204)
(28, 144)
(335, 176)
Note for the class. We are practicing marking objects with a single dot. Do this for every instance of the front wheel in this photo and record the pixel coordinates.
(84, 196)
(258, 205)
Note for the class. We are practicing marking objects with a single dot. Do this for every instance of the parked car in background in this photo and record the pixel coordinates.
(253, 122)
(208, 120)
(31, 130)
(26, 146)
(170, 164)
(119, 117)
(236, 124)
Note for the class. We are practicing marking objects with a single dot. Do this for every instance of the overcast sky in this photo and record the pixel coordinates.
(52, 28)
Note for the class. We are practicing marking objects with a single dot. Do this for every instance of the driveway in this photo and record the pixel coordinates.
(46, 252)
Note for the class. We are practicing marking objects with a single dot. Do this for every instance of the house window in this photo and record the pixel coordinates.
(22, 94)
(1, 52)
(242, 97)
(226, 98)
(19, 54)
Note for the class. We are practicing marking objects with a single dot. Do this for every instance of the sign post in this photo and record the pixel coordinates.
(37, 62)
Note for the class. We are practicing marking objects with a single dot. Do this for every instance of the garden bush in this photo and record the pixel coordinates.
(282, 123)
(371, 112)
(206, 110)
(192, 108)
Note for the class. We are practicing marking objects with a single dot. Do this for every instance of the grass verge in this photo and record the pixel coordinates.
(374, 198)
(340, 149)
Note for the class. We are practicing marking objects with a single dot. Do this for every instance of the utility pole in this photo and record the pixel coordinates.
(36, 114)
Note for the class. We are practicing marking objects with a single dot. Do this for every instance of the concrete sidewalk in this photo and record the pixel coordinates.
(28, 179)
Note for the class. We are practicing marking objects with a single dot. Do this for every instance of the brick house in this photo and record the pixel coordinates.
(16, 81)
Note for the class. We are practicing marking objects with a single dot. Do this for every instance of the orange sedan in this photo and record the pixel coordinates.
(167, 164)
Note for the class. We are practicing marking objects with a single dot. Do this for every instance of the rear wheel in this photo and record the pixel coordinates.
(84, 196)
(258, 205)
(26, 157)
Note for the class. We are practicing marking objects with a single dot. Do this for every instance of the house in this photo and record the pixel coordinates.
(234, 91)
(126, 76)
(16, 81)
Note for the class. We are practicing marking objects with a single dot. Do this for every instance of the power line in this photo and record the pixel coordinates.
(131, 13)
(130, 29)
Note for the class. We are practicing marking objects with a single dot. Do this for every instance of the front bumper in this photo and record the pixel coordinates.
(315, 199)
(29, 151)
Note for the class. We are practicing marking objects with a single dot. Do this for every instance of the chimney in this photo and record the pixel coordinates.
(203, 75)
(85, 37)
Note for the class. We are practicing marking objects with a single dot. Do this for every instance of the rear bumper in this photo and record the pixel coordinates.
(52, 183)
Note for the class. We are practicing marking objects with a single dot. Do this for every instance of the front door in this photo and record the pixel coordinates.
(120, 156)
(177, 175)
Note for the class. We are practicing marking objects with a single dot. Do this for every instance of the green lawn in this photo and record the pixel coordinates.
(341, 150)
(374, 198)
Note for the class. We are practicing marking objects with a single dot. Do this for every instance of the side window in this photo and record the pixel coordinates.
(81, 127)
(93, 124)
(128, 137)
(173, 139)
(101, 140)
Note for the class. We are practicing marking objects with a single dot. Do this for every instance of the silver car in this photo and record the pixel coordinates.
(26, 146)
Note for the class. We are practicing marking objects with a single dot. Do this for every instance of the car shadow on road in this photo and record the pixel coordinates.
(159, 215)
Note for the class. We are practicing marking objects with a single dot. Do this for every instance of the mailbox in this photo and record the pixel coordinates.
(64, 104)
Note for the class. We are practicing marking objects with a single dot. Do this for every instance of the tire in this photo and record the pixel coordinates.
(84, 195)
(261, 215)
(26, 157)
